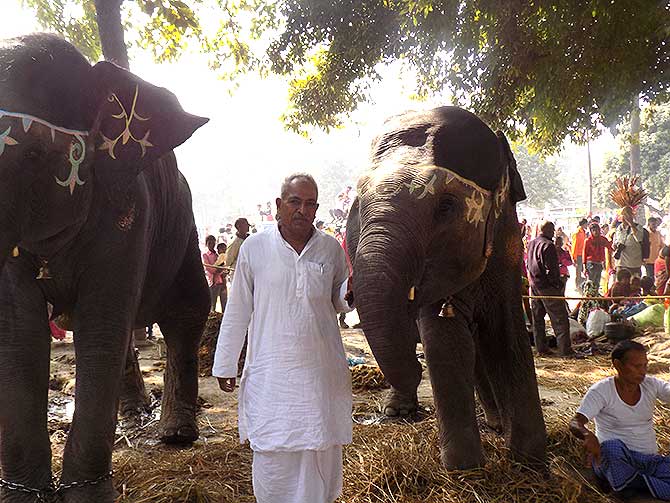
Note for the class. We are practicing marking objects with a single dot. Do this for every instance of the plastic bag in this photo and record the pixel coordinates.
(595, 323)
(650, 317)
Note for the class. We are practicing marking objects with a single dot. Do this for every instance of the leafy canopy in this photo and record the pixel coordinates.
(166, 28)
(540, 68)
(544, 68)
(654, 153)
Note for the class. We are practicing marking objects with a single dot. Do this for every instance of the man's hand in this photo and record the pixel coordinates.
(226, 384)
(349, 296)
(592, 447)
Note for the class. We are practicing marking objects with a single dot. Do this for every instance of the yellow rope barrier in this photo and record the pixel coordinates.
(223, 268)
(557, 297)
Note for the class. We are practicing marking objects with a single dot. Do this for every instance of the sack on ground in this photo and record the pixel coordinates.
(650, 317)
(596, 321)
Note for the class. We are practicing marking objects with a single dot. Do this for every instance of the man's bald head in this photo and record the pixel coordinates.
(547, 229)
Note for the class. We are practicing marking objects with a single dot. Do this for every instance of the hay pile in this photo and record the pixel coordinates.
(367, 377)
(214, 473)
(396, 462)
(401, 463)
(208, 344)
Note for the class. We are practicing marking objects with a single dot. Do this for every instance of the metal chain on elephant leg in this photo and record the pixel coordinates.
(51, 493)
(83, 483)
(41, 495)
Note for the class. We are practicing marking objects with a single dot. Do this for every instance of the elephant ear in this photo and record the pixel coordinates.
(133, 123)
(517, 192)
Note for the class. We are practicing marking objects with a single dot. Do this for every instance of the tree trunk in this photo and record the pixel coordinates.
(588, 155)
(635, 137)
(111, 31)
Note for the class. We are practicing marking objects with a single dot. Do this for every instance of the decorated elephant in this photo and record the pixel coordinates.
(96, 220)
(437, 256)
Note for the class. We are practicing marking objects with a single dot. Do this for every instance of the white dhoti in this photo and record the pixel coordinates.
(297, 476)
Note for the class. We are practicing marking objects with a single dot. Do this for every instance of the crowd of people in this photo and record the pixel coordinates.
(628, 261)
(621, 259)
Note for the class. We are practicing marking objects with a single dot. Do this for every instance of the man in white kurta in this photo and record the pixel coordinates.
(295, 391)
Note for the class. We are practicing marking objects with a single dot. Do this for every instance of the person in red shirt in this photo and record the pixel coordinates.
(215, 278)
(661, 268)
(596, 249)
(564, 261)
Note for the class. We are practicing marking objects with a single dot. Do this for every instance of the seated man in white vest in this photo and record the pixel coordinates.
(623, 451)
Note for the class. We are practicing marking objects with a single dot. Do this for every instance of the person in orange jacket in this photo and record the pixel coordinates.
(578, 239)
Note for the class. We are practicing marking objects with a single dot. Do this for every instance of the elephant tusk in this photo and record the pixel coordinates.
(15, 251)
(410, 295)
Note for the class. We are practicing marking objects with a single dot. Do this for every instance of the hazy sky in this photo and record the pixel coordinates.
(244, 149)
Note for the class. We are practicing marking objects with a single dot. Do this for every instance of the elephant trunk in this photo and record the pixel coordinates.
(388, 262)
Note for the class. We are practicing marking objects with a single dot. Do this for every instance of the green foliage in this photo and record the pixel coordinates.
(654, 153)
(543, 68)
(541, 179)
(74, 19)
(229, 30)
(168, 27)
(539, 69)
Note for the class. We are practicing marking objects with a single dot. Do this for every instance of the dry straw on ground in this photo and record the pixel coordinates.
(367, 377)
(386, 463)
(398, 462)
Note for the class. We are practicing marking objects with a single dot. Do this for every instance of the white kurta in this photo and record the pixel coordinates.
(295, 391)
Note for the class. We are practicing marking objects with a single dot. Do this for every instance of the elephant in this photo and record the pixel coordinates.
(437, 257)
(96, 220)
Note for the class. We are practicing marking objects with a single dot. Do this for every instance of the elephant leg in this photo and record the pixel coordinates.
(450, 354)
(101, 357)
(403, 403)
(486, 396)
(182, 329)
(507, 359)
(134, 399)
(25, 453)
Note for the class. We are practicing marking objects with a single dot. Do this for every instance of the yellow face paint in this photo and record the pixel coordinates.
(126, 135)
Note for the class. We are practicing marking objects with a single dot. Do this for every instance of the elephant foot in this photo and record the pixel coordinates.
(102, 492)
(133, 407)
(179, 431)
(462, 459)
(401, 404)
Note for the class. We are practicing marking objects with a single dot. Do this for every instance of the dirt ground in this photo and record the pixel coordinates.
(140, 461)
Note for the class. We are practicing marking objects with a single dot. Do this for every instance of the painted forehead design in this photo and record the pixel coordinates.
(421, 186)
(77, 151)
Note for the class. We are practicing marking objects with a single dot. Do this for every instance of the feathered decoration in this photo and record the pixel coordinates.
(627, 192)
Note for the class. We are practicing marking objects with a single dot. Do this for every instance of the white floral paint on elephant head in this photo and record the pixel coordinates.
(425, 181)
(30, 123)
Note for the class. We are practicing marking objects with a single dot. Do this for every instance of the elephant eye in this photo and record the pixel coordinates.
(34, 153)
(447, 205)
